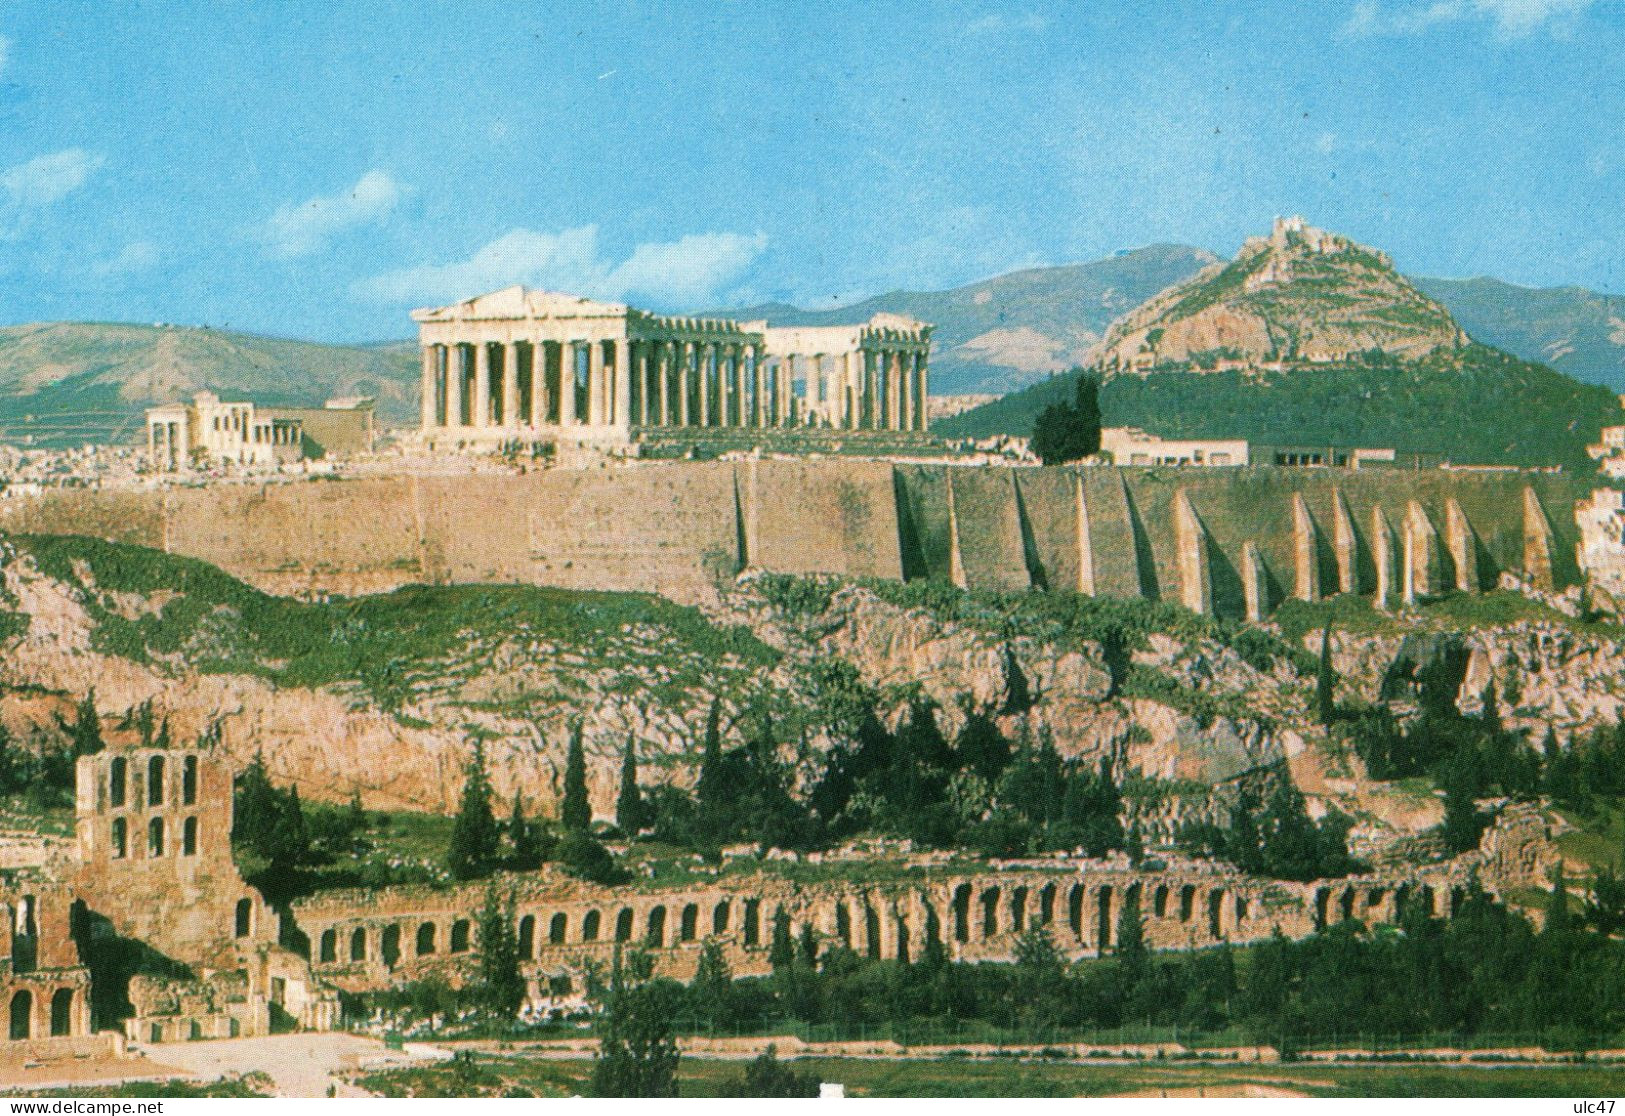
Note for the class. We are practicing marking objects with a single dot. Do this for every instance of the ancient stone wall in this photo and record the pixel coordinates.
(371, 939)
(1238, 541)
(44, 984)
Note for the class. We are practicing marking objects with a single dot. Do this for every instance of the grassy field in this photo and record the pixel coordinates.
(518, 1076)
(253, 1085)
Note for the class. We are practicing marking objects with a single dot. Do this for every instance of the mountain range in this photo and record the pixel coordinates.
(76, 381)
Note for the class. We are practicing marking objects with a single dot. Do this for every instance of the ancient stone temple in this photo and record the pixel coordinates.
(523, 365)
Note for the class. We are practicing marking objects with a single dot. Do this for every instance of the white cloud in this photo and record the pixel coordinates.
(45, 179)
(299, 230)
(687, 271)
(1511, 19)
(998, 22)
(138, 255)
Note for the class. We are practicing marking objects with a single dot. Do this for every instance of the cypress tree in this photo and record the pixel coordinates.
(86, 730)
(630, 814)
(501, 988)
(576, 811)
(474, 834)
(1325, 693)
(783, 952)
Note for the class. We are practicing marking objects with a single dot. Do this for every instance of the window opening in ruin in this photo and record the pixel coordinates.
(22, 1015)
(155, 837)
(623, 925)
(689, 928)
(330, 946)
(425, 941)
(555, 930)
(459, 936)
(719, 918)
(120, 839)
(753, 921)
(589, 927)
(656, 936)
(61, 1012)
(189, 781)
(155, 781)
(245, 917)
(358, 945)
(389, 948)
(189, 837)
(117, 777)
(527, 938)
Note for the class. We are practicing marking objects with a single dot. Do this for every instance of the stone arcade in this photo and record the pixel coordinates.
(523, 365)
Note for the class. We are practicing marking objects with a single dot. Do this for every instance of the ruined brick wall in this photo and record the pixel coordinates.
(44, 984)
(153, 828)
(371, 939)
(1243, 541)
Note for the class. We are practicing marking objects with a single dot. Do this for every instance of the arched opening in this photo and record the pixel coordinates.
(425, 941)
(871, 930)
(155, 837)
(329, 948)
(902, 939)
(1374, 897)
(527, 938)
(719, 918)
(689, 928)
(1159, 901)
(1345, 904)
(1018, 910)
(1103, 939)
(623, 925)
(120, 839)
(155, 781)
(459, 936)
(1322, 901)
(556, 929)
(358, 944)
(589, 927)
(1187, 902)
(189, 781)
(189, 837)
(1215, 912)
(389, 947)
(1426, 894)
(655, 937)
(990, 912)
(1241, 909)
(118, 776)
(961, 906)
(1074, 911)
(62, 1012)
(245, 918)
(843, 925)
(1046, 905)
(753, 921)
(22, 1015)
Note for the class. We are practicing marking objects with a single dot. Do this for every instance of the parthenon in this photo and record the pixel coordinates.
(519, 364)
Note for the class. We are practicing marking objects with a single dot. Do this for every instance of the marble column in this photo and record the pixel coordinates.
(644, 362)
(686, 378)
(595, 376)
(758, 392)
(664, 361)
(896, 386)
(623, 384)
(538, 382)
(567, 383)
(426, 410)
(510, 384)
(454, 384)
(482, 385)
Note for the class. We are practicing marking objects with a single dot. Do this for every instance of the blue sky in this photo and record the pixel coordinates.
(317, 169)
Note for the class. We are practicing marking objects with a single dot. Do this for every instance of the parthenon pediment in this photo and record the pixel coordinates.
(521, 303)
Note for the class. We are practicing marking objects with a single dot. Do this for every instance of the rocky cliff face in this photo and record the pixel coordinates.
(1299, 295)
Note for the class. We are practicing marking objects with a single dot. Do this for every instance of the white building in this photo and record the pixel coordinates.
(1128, 445)
(210, 431)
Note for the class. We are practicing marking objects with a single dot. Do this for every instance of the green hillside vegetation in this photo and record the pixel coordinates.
(1476, 405)
(390, 646)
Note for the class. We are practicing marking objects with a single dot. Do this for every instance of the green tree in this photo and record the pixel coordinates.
(770, 1079)
(584, 856)
(576, 810)
(1325, 685)
(637, 1042)
(711, 991)
(1070, 431)
(475, 839)
(501, 987)
(782, 954)
(86, 730)
(631, 813)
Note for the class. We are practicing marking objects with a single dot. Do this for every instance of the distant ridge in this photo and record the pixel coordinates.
(64, 383)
